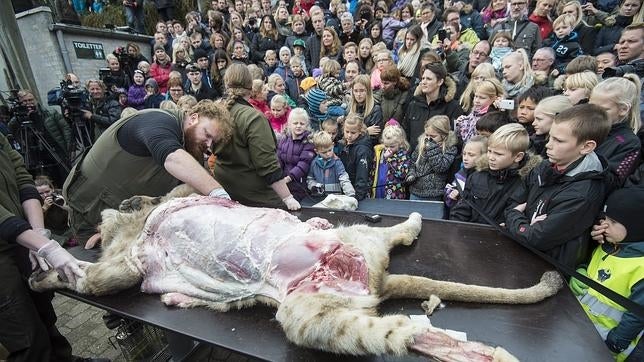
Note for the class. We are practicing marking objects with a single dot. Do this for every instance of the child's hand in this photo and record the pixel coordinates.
(598, 233)
(287, 179)
(373, 130)
(410, 179)
(387, 153)
(576, 286)
(453, 195)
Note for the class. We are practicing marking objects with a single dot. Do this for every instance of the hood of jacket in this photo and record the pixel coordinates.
(446, 93)
(591, 166)
(526, 165)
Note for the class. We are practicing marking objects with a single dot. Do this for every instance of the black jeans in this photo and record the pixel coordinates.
(27, 318)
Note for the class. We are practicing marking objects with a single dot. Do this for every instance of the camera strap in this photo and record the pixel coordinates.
(626, 303)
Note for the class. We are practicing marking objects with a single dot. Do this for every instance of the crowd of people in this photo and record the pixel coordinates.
(518, 113)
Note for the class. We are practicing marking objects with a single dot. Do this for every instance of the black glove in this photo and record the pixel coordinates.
(410, 180)
(317, 190)
(615, 343)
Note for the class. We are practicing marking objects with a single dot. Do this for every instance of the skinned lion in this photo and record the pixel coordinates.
(325, 282)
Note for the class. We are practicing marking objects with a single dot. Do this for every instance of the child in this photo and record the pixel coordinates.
(270, 62)
(501, 46)
(295, 152)
(299, 46)
(616, 264)
(145, 68)
(330, 126)
(620, 98)
(285, 57)
(356, 155)
(564, 193)
(327, 174)
(498, 175)
(492, 121)
(350, 53)
(527, 102)
(279, 114)
(391, 165)
(486, 94)
(544, 114)
(473, 151)
(578, 86)
(276, 85)
(136, 94)
(564, 41)
(331, 84)
(431, 160)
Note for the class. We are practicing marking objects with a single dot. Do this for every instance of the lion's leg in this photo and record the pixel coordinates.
(403, 233)
(342, 325)
(137, 203)
(409, 286)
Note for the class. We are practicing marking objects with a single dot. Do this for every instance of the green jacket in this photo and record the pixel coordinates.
(56, 131)
(247, 165)
(13, 178)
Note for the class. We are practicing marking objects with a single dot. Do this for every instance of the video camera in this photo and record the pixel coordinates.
(68, 98)
(123, 56)
(636, 67)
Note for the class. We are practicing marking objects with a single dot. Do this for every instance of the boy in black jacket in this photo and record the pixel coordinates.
(564, 193)
(564, 41)
(498, 176)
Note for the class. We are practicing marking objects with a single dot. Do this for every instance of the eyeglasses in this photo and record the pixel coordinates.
(477, 53)
(539, 60)
(519, 4)
(175, 90)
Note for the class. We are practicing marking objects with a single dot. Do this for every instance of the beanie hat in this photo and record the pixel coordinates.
(158, 46)
(152, 83)
(624, 206)
(316, 72)
(199, 53)
(308, 83)
(299, 43)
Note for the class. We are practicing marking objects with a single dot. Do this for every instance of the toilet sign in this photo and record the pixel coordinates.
(86, 50)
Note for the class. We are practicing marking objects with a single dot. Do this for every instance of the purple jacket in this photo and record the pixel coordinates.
(295, 158)
(136, 96)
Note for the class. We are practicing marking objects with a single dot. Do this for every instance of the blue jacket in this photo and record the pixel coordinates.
(331, 174)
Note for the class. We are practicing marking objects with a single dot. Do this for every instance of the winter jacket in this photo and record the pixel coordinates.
(587, 35)
(278, 123)
(460, 179)
(261, 44)
(374, 118)
(357, 158)
(331, 175)
(389, 174)
(390, 27)
(492, 191)
(161, 73)
(104, 113)
(544, 24)
(622, 151)
(608, 36)
(572, 200)
(313, 47)
(204, 92)
(314, 97)
(295, 158)
(334, 90)
(465, 125)
(538, 144)
(474, 21)
(261, 106)
(54, 128)
(136, 96)
(292, 83)
(525, 34)
(431, 171)
(566, 49)
(419, 111)
(392, 104)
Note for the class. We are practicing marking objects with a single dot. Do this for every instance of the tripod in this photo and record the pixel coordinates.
(82, 137)
(26, 134)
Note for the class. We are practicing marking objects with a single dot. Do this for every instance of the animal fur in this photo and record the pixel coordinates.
(335, 322)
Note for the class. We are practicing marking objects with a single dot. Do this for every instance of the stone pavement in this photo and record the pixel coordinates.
(83, 326)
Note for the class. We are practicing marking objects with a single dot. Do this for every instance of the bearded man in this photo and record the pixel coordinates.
(148, 153)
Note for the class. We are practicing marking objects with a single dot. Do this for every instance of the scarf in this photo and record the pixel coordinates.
(408, 61)
(515, 89)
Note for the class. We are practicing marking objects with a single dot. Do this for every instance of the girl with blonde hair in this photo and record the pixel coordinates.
(486, 95)
(517, 73)
(620, 98)
(544, 115)
(481, 72)
(356, 155)
(391, 164)
(578, 86)
(363, 104)
(295, 152)
(431, 160)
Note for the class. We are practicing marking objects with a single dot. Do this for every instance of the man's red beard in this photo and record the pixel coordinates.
(192, 146)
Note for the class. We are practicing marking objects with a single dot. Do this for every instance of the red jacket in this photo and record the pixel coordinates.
(161, 73)
(544, 24)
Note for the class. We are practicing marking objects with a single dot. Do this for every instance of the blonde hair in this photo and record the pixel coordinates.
(553, 105)
(272, 79)
(257, 87)
(336, 45)
(440, 124)
(524, 61)
(490, 87)
(354, 120)
(564, 19)
(217, 112)
(482, 140)
(186, 102)
(279, 99)
(579, 18)
(322, 139)
(485, 70)
(395, 134)
(365, 81)
(168, 105)
(330, 67)
(295, 115)
(512, 137)
(623, 91)
(586, 79)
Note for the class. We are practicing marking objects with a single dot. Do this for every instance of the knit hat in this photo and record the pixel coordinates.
(624, 206)
(151, 82)
(199, 53)
(158, 46)
(316, 72)
(299, 43)
(308, 83)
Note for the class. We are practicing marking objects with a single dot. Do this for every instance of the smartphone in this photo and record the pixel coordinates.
(507, 104)
(442, 34)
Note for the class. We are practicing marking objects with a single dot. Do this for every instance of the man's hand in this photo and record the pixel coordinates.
(291, 203)
(219, 192)
(86, 114)
(521, 208)
(65, 264)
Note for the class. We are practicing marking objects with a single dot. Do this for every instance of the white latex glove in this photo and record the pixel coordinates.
(291, 203)
(219, 192)
(61, 260)
(37, 261)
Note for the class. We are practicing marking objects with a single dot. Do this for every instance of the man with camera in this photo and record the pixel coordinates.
(630, 52)
(114, 77)
(29, 123)
(103, 111)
